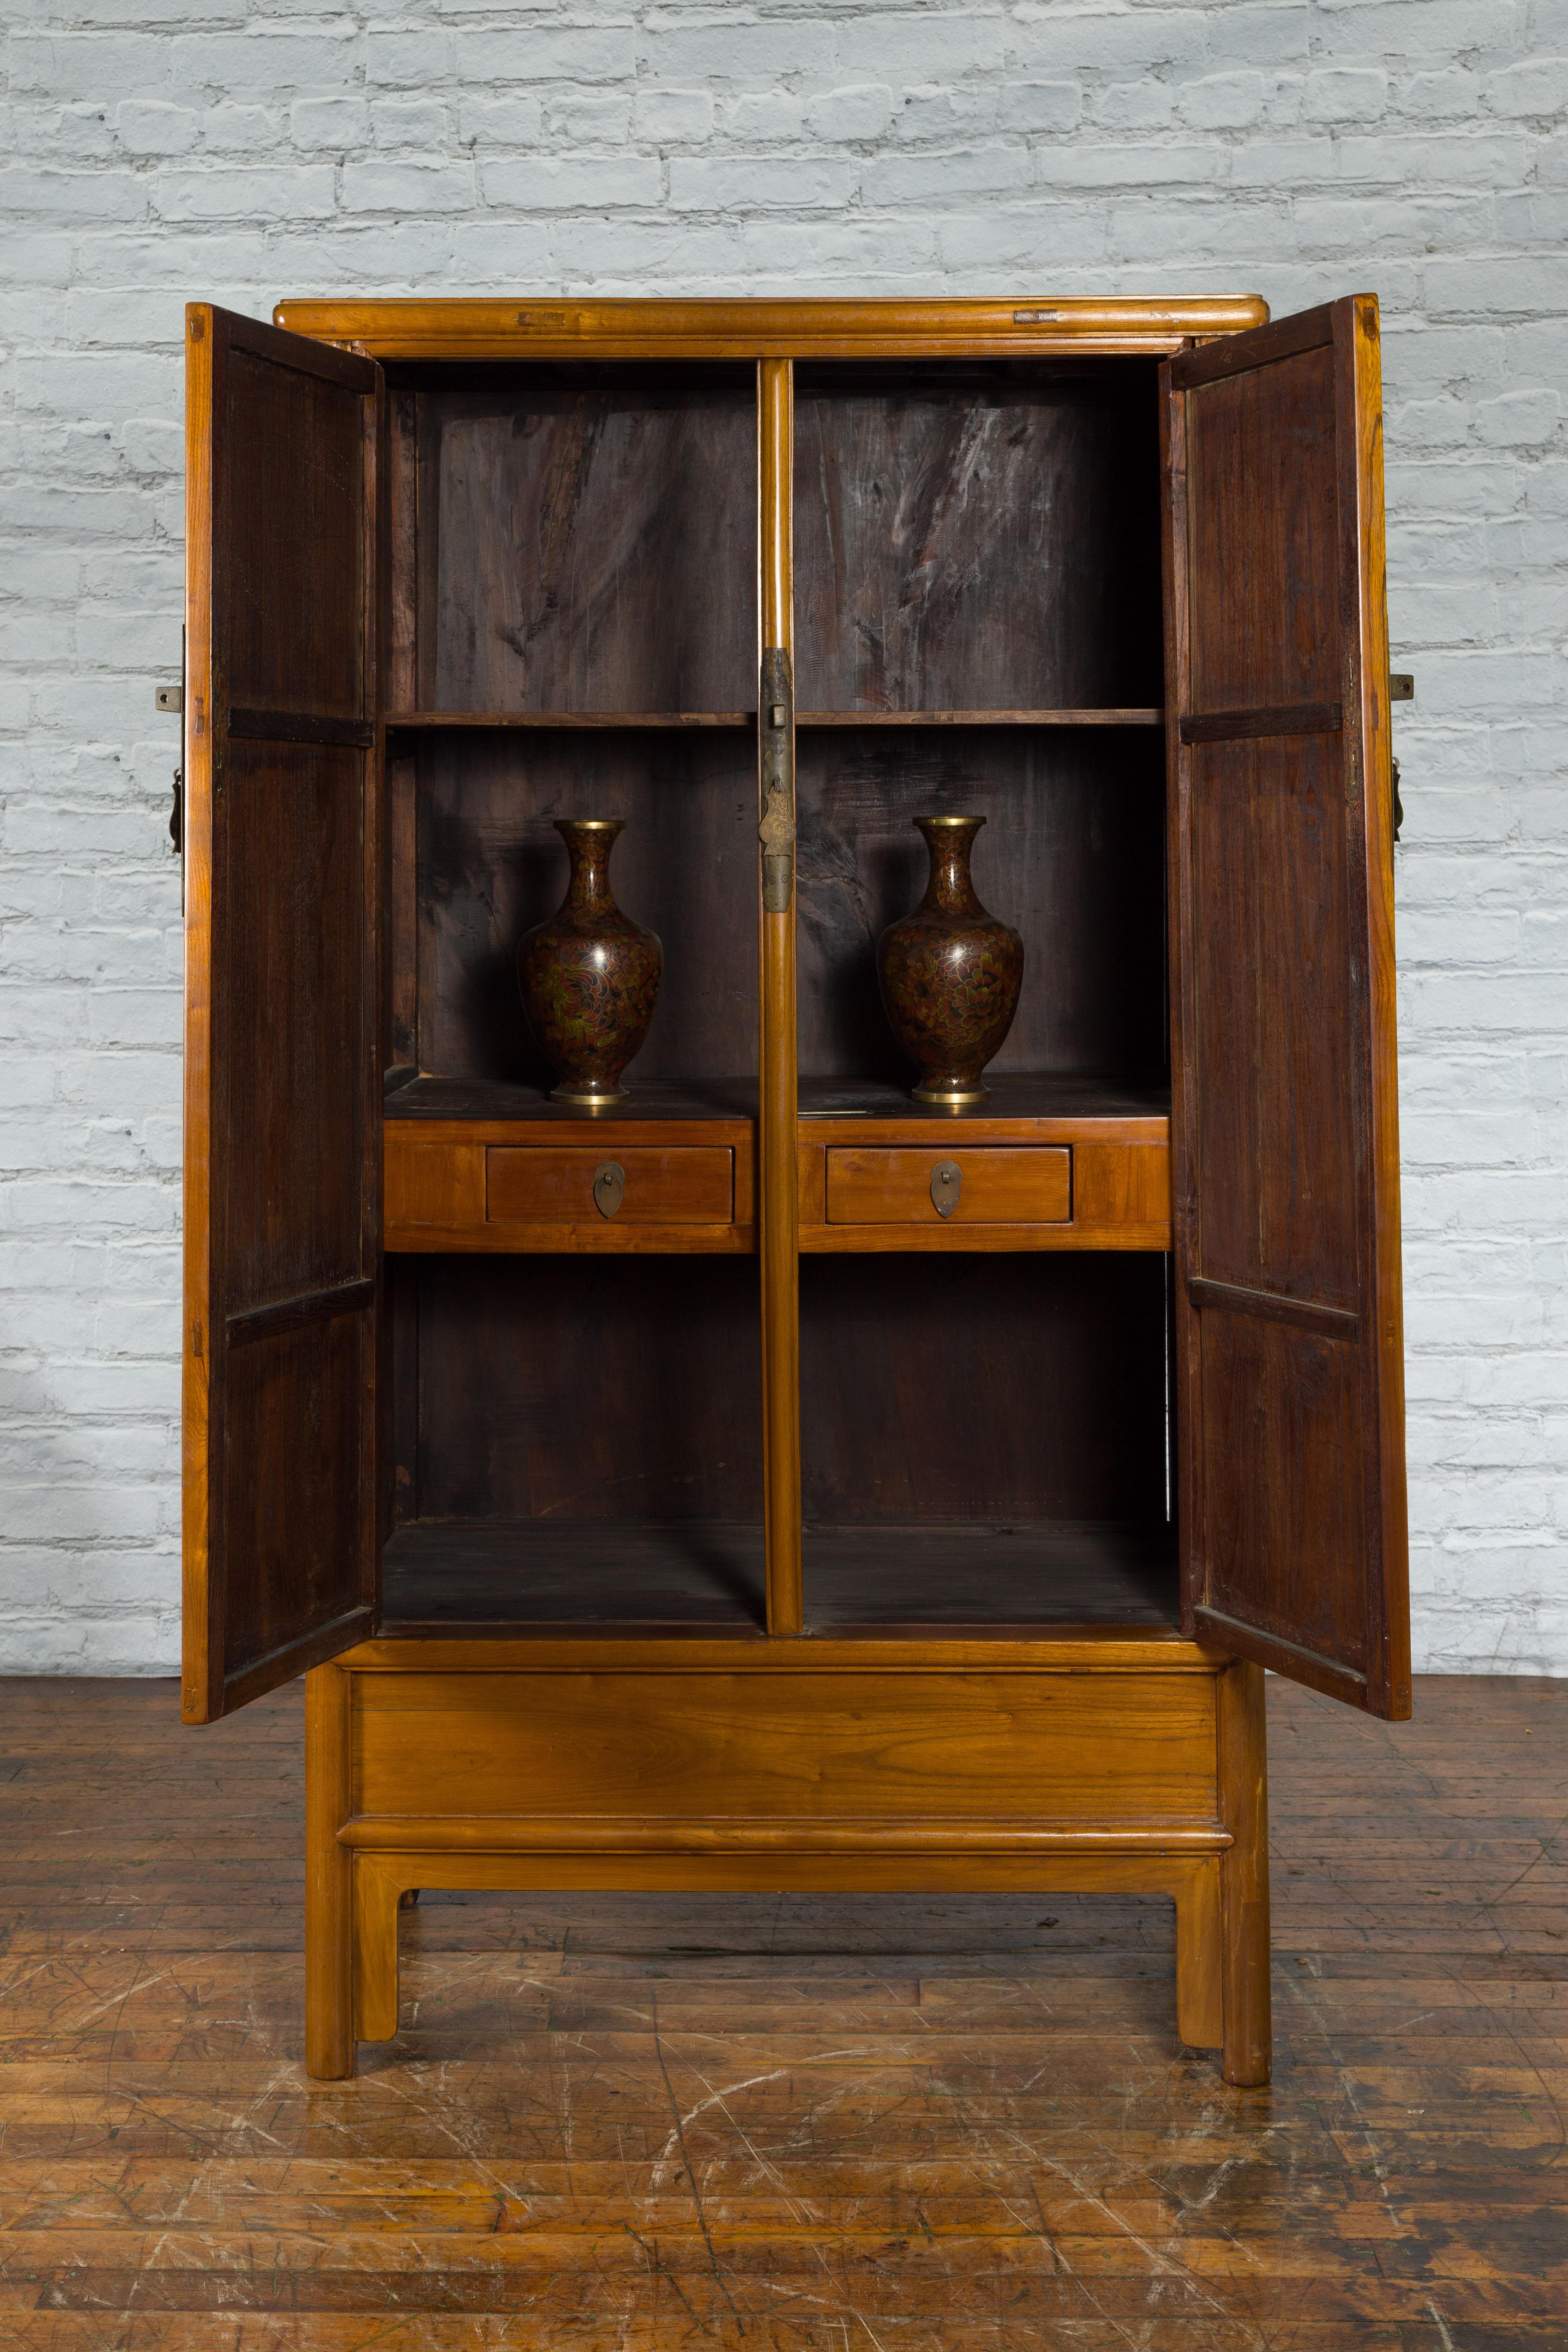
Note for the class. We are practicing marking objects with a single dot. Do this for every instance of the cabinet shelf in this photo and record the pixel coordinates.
(492, 1102)
(429, 721)
(449, 1576)
(1142, 716)
(1131, 1110)
(974, 1578)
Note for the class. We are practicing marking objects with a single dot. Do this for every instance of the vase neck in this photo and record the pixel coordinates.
(951, 890)
(589, 846)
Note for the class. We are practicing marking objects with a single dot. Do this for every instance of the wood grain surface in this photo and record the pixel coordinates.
(779, 1027)
(998, 1184)
(669, 2124)
(656, 327)
(925, 499)
(283, 1194)
(587, 539)
(1285, 1168)
(685, 1186)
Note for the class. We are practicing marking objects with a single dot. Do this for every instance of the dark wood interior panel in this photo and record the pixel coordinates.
(1276, 1542)
(991, 1389)
(589, 539)
(292, 1019)
(707, 1575)
(1072, 854)
(1279, 1178)
(291, 1511)
(977, 537)
(1263, 565)
(581, 1388)
(401, 914)
(1039, 1572)
(293, 539)
(491, 866)
(453, 1575)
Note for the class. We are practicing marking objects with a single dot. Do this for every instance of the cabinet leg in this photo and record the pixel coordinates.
(377, 1900)
(329, 1879)
(1200, 2001)
(1243, 1875)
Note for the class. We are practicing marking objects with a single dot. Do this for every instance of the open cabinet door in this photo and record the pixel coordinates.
(1290, 1402)
(282, 1135)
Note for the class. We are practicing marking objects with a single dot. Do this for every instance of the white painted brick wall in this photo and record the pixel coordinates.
(158, 150)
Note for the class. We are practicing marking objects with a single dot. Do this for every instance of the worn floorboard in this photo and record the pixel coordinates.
(941, 2125)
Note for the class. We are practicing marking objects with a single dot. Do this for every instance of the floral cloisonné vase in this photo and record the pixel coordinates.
(590, 975)
(950, 972)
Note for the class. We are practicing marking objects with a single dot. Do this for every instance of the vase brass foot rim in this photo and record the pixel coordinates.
(582, 1100)
(951, 1097)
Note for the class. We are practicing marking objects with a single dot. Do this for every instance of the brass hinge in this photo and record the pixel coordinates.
(1401, 688)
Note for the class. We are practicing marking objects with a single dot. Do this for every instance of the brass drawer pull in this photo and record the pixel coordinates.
(946, 1183)
(609, 1188)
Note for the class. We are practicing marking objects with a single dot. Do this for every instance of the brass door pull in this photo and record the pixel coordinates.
(609, 1188)
(946, 1182)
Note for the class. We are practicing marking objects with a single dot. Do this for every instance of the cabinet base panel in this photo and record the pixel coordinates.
(812, 1768)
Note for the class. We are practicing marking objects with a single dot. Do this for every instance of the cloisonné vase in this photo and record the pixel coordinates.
(950, 972)
(590, 975)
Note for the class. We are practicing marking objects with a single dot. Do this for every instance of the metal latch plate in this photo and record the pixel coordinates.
(946, 1183)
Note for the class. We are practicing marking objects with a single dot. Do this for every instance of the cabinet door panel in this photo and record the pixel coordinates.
(1272, 987)
(283, 1178)
(1284, 1137)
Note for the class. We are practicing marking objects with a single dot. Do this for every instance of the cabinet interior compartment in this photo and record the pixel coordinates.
(490, 864)
(576, 1441)
(585, 536)
(977, 536)
(578, 1437)
(1072, 854)
(984, 1440)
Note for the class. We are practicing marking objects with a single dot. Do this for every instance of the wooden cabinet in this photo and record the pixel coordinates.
(770, 1482)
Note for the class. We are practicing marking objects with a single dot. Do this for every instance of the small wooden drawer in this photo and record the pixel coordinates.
(694, 1185)
(991, 1185)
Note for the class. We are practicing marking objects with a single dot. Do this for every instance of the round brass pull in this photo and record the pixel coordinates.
(609, 1188)
(946, 1183)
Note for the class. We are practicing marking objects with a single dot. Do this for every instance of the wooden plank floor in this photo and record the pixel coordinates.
(937, 2124)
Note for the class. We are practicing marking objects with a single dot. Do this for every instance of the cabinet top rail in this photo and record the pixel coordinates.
(721, 328)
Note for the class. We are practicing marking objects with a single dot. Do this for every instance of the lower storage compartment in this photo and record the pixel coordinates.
(992, 1390)
(983, 1444)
